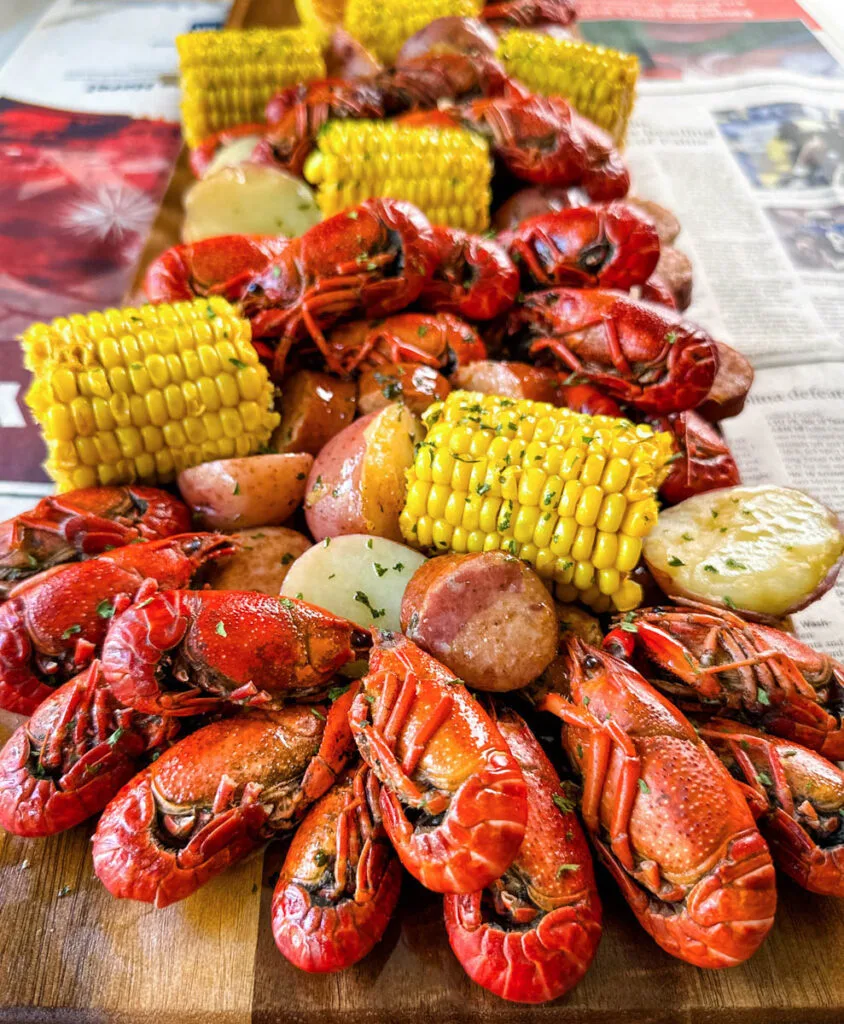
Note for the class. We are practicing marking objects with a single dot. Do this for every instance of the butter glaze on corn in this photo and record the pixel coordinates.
(383, 27)
(140, 394)
(599, 83)
(446, 172)
(573, 495)
(227, 77)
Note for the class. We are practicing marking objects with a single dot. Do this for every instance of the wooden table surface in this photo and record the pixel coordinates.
(69, 952)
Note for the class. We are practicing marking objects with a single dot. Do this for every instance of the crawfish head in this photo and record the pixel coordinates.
(666, 818)
(214, 796)
(643, 354)
(798, 795)
(705, 461)
(182, 651)
(531, 935)
(453, 798)
(340, 880)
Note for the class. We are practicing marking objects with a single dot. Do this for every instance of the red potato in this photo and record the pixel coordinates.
(531, 202)
(449, 35)
(257, 490)
(413, 384)
(346, 58)
(261, 562)
(513, 380)
(314, 407)
(357, 483)
(727, 395)
(666, 224)
(486, 616)
(674, 269)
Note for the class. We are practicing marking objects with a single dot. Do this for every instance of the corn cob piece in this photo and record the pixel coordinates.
(140, 394)
(573, 495)
(598, 82)
(319, 13)
(384, 27)
(227, 77)
(446, 172)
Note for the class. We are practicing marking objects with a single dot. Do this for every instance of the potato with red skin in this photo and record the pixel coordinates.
(510, 379)
(235, 494)
(486, 616)
(674, 269)
(414, 384)
(449, 35)
(314, 407)
(260, 563)
(729, 390)
(534, 201)
(666, 224)
(357, 483)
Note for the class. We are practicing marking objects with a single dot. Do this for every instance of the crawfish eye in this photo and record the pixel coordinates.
(595, 256)
(590, 663)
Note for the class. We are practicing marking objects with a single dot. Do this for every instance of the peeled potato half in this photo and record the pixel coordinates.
(764, 550)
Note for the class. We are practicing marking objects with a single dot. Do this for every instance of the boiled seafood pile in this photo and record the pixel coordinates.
(491, 598)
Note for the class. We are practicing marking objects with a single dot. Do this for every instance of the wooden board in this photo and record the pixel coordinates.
(84, 957)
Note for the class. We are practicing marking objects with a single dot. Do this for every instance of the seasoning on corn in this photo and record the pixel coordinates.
(573, 495)
(140, 394)
(227, 77)
(446, 172)
(384, 27)
(599, 83)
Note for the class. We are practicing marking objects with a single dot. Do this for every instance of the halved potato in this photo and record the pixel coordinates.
(359, 577)
(263, 559)
(763, 550)
(248, 199)
(233, 153)
(357, 484)
(257, 490)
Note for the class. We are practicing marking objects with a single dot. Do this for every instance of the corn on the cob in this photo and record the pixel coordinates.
(384, 27)
(446, 172)
(598, 82)
(140, 394)
(319, 13)
(572, 494)
(228, 76)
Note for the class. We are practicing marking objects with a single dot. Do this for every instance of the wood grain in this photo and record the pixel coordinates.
(86, 958)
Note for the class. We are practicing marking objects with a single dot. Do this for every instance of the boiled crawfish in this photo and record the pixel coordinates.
(212, 266)
(72, 756)
(531, 935)
(439, 340)
(180, 652)
(710, 659)
(453, 798)
(612, 246)
(78, 524)
(798, 797)
(669, 823)
(215, 796)
(704, 461)
(474, 277)
(642, 354)
(340, 881)
(52, 624)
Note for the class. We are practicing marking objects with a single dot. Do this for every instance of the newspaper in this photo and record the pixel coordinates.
(738, 129)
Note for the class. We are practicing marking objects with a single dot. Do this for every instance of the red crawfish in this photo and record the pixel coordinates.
(78, 748)
(704, 461)
(666, 819)
(526, 13)
(531, 935)
(710, 659)
(641, 354)
(181, 652)
(612, 246)
(798, 797)
(212, 266)
(372, 260)
(340, 881)
(217, 795)
(439, 340)
(453, 798)
(52, 624)
(474, 277)
(541, 139)
(78, 524)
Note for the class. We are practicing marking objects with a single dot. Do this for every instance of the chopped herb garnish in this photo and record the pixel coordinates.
(318, 714)
(115, 736)
(363, 599)
(369, 544)
(565, 805)
(320, 858)
(239, 363)
(399, 566)
(483, 489)
(337, 691)
(286, 558)
(731, 563)
(220, 629)
(710, 568)
(105, 609)
(687, 536)
(327, 542)
(728, 601)
(765, 778)
(71, 631)
(563, 868)
(763, 697)
(65, 889)
(380, 569)
(236, 489)
(643, 786)
(301, 476)
(673, 560)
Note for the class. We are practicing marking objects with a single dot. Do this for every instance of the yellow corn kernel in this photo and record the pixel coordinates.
(605, 550)
(629, 552)
(583, 542)
(589, 505)
(628, 596)
(640, 518)
(612, 512)
(563, 536)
